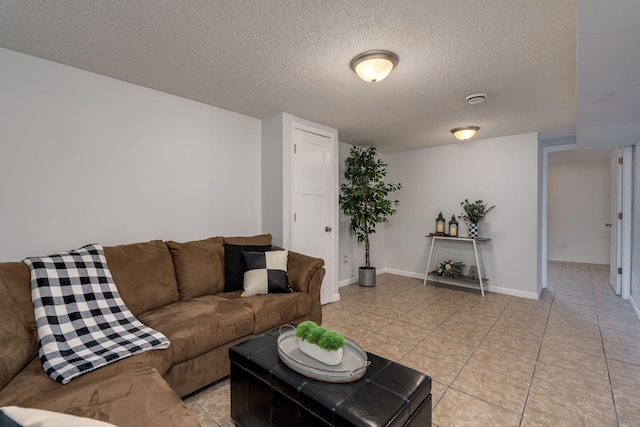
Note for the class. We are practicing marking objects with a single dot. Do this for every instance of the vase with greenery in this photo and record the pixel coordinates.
(320, 343)
(474, 213)
(363, 198)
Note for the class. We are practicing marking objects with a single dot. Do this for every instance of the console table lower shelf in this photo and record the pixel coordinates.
(464, 281)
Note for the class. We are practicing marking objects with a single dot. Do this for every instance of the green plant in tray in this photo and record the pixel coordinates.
(319, 335)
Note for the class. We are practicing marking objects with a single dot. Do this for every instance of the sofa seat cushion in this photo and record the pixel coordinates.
(144, 275)
(132, 399)
(200, 324)
(272, 310)
(32, 385)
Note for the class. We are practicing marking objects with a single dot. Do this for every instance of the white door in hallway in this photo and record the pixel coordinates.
(615, 279)
(314, 201)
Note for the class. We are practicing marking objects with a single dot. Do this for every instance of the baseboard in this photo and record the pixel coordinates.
(405, 273)
(578, 261)
(635, 307)
(513, 292)
(349, 281)
(488, 288)
(352, 280)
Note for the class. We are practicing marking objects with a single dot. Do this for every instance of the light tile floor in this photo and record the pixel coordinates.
(571, 358)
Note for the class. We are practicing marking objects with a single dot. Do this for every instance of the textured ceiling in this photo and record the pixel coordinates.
(264, 57)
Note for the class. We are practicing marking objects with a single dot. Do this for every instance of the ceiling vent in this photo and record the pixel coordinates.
(476, 98)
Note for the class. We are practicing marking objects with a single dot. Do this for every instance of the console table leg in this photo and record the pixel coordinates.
(475, 252)
(426, 274)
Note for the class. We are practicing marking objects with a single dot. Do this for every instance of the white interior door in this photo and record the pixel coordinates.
(615, 279)
(313, 202)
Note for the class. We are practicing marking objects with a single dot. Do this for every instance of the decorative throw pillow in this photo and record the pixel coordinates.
(234, 266)
(14, 416)
(266, 273)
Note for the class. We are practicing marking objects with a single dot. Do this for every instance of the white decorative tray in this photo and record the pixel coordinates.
(353, 367)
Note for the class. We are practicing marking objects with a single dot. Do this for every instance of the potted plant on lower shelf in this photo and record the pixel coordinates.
(473, 213)
(449, 268)
(320, 343)
(363, 198)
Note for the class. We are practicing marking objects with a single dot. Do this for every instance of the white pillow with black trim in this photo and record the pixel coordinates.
(14, 416)
(266, 273)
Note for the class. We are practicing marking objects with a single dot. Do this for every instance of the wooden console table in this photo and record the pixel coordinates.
(476, 243)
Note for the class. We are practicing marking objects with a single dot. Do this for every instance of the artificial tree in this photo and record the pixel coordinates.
(363, 197)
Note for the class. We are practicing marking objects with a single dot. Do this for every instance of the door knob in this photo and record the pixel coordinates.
(608, 225)
(327, 228)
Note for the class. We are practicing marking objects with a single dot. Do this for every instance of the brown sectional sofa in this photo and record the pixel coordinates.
(176, 288)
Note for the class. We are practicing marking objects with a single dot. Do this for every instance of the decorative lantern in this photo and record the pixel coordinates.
(440, 225)
(453, 227)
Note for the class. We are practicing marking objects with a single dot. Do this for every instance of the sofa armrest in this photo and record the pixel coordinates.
(305, 273)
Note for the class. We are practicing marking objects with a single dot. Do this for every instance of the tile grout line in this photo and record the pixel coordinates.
(207, 413)
(604, 352)
(469, 357)
(535, 366)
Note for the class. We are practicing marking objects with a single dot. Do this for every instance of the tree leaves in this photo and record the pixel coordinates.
(363, 197)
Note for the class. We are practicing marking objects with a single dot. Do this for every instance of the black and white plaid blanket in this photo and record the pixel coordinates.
(82, 322)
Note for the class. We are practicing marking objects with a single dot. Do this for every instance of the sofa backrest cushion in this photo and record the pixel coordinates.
(199, 267)
(144, 275)
(17, 279)
(18, 344)
(258, 240)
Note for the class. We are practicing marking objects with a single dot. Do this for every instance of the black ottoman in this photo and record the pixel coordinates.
(265, 392)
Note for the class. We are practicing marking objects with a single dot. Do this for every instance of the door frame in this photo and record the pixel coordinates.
(627, 195)
(627, 178)
(616, 197)
(545, 205)
(331, 265)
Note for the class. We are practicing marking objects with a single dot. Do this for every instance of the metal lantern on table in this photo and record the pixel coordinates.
(440, 221)
(453, 227)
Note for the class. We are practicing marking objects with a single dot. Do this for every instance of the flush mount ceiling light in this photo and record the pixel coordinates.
(465, 132)
(476, 98)
(374, 65)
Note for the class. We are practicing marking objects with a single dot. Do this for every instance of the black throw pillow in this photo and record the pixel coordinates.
(234, 265)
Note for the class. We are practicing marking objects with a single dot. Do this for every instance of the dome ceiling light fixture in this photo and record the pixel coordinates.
(464, 133)
(476, 98)
(374, 65)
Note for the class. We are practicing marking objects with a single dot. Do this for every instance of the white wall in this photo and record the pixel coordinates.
(348, 244)
(500, 171)
(579, 206)
(86, 158)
